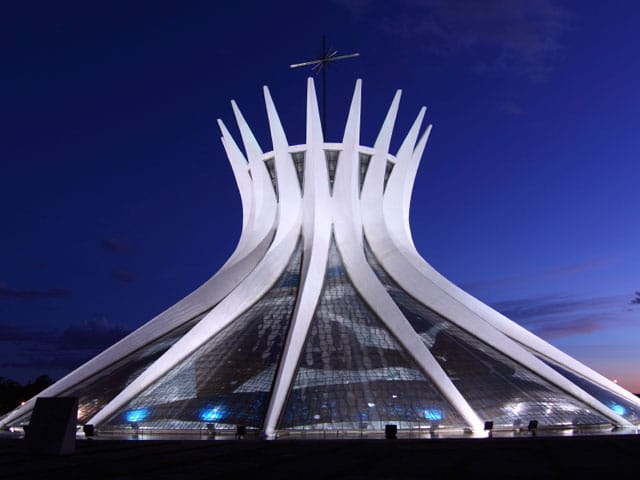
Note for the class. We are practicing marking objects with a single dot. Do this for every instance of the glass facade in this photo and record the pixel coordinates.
(494, 385)
(298, 163)
(98, 390)
(353, 374)
(365, 158)
(332, 164)
(95, 393)
(615, 402)
(228, 380)
(271, 168)
(387, 173)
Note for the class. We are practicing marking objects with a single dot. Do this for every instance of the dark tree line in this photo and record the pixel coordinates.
(13, 393)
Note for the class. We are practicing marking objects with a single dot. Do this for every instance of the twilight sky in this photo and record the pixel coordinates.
(116, 198)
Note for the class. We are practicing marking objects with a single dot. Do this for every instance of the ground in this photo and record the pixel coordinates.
(524, 457)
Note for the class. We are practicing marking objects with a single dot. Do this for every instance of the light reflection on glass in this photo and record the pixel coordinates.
(617, 408)
(137, 415)
(211, 414)
(433, 414)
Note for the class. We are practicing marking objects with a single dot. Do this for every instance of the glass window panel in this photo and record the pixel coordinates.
(364, 166)
(615, 402)
(353, 374)
(271, 168)
(332, 164)
(98, 390)
(228, 380)
(298, 162)
(496, 387)
(387, 173)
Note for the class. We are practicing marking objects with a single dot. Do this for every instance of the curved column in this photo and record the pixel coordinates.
(423, 290)
(345, 187)
(240, 168)
(390, 251)
(349, 241)
(397, 196)
(265, 205)
(254, 286)
(271, 229)
(289, 201)
(316, 238)
(254, 241)
(516, 332)
(371, 198)
(253, 233)
(400, 186)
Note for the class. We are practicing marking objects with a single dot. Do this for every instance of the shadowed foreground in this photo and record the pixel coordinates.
(538, 457)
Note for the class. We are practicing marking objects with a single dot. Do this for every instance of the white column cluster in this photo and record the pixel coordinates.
(275, 220)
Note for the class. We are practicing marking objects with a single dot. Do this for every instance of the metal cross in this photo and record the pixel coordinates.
(320, 65)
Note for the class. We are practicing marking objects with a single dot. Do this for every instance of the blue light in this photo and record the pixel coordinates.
(137, 415)
(211, 414)
(433, 414)
(619, 409)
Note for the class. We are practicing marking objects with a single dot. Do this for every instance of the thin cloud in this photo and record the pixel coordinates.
(122, 275)
(636, 299)
(555, 316)
(511, 108)
(593, 264)
(520, 36)
(564, 271)
(46, 349)
(33, 294)
(94, 334)
(91, 335)
(114, 245)
(529, 309)
(357, 8)
(15, 333)
(47, 361)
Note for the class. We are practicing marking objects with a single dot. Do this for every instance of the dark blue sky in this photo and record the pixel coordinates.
(117, 199)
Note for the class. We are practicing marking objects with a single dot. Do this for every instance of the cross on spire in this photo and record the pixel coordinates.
(320, 65)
